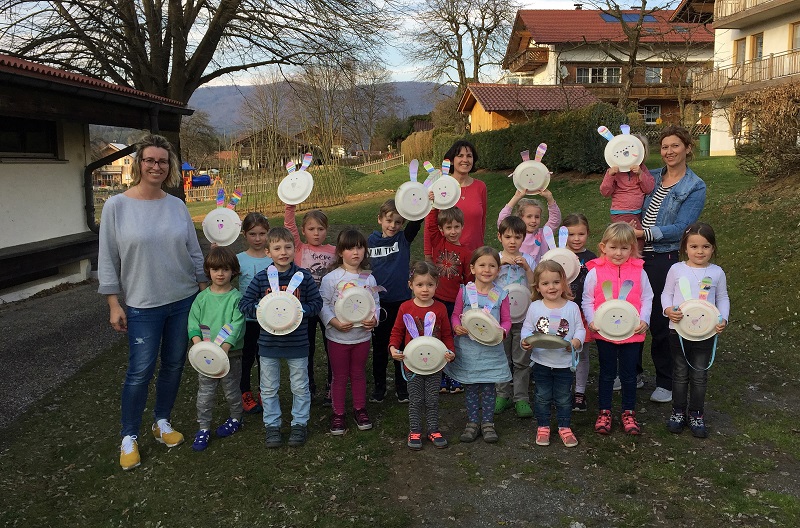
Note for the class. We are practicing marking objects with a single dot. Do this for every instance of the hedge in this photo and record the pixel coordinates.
(418, 145)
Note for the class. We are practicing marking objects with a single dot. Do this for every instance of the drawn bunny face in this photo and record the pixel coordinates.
(411, 198)
(700, 317)
(298, 184)
(616, 319)
(423, 354)
(532, 176)
(280, 312)
(222, 225)
(623, 151)
(565, 257)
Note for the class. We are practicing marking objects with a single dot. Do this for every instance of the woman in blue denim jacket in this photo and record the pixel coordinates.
(675, 203)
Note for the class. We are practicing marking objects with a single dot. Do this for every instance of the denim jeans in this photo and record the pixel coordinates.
(271, 382)
(552, 386)
(685, 379)
(626, 355)
(150, 331)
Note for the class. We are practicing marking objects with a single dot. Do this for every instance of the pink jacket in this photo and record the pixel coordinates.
(627, 191)
(640, 296)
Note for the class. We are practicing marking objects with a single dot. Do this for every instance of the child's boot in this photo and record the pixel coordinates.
(697, 424)
(488, 432)
(470, 432)
(677, 421)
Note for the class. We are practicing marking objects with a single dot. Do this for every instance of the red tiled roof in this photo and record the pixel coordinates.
(33, 70)
(554, 26)
(509, 97)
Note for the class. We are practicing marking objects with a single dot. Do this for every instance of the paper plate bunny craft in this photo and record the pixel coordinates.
(423, 354)
(700, 317)
(280, 312)
(222, 225)
(411, 198)
(296, 187)
(561, 254)
(616, 319)
(479, 322)
(446, 189)
(356, 302)
(623, 151)
(550, 333)
(531, 176)
(519, 299)
(207, 357)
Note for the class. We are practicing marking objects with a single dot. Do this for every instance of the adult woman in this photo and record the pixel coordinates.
(676, 202)
(473, 202)
(149, 251)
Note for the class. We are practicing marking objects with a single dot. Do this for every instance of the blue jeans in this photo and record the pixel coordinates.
(151, 329)
(553, 385)
(610, 354)
(271, 382)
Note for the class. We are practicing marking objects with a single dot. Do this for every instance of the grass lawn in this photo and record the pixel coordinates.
(59, 462)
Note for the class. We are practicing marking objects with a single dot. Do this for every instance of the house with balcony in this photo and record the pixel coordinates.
(118, 172)
(756, 45)
(590, 47)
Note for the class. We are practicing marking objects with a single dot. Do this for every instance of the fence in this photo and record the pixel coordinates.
(375, 167)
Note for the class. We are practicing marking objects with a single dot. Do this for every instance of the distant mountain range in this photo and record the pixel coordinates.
(222, 103)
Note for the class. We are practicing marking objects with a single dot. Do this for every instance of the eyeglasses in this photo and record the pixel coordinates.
(152, 161)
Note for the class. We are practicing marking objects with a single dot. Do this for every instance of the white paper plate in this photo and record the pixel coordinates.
(700, 319)
(482, 327)
(531, 177)
(568, 260)
(296, 187)
(624, 151)
(446, 192)
(355, 305)
(222, 226)
(425, 355)
(411, 200)
(616, 320)
(209, 359)
(519, 299)
(279, 313)
(548, 341)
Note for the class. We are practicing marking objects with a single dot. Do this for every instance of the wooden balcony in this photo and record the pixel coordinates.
(776, 68)
(738, 14)
(610, 92)
(529, 60)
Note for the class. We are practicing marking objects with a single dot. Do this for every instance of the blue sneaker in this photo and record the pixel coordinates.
(455, 387)
(231, 425)
(201, 440)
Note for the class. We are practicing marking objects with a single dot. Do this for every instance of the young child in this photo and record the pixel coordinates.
(423, 390)
(348, 346)
(255, 227)
(315, 256)
(627, 191)
(293, 347)
(698, 245)
(478, 367)
(390, 255)
(530, 210)
(551, 368)
(215, 307)
(516, 267)
(443, 230)
(578, 228)
(617, 264)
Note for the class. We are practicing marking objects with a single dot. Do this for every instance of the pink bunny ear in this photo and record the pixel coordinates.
(540, 150)
(548, 236)
(290, 167)
(221, 197)
(411, 326)
(526, 155)
(446, 167)
(237, 195)
(205, 331)
(430, 321)
(412, 169)
(605, 132)
(306, 161)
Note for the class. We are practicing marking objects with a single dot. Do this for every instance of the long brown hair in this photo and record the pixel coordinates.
(173, 178)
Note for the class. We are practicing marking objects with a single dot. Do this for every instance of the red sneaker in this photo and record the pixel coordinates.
(603, 423)
(250, 405)
(629, 423)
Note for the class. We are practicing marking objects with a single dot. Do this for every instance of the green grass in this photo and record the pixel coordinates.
(59, 462)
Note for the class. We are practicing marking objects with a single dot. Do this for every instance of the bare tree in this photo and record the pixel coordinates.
(457, 39)
(172, 48)
(370, 98)
(199, 141)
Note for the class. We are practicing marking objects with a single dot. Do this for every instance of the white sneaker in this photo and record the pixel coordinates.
(639, 381)
(661, 395)
(617, 384)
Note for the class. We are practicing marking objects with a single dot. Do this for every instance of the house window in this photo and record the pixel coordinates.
(795, 44)
(652, 75)
(127, 160)
(28, 138)
(582, 76)
(739, 51)
(757, 49)
(651, 113)
(598, 75)
(613, 75)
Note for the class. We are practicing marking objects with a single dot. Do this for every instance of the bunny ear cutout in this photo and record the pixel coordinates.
(526, 155)
(705, 288)
(608, 290)
(412, 169)
(429, 167)
(548, 236)
(626, 129)
(237, 195)
(685, 287)
(224, 333)
(221, 197)
(272, 276)
(563, 235)
(540, 150)
(625, 289)
(290, 167)
(446, 167)
(295, 281)
(205, 331)
(306, 161)
(605, 132)
(411, 326)
(430, 321)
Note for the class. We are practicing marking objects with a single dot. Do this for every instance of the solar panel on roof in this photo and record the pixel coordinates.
(627, 17)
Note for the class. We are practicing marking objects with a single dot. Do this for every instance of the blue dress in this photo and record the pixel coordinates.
(476, 362)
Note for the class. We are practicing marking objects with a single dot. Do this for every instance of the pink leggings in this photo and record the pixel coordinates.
(348, 361)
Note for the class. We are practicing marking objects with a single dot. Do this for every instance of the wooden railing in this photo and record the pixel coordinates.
(529, 59)
(374, 167)
(726, 8)
(729, 78)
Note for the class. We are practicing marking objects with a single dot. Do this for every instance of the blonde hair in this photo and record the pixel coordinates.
(555, 267)
(621, 233)
(174, 177)
(527, 202)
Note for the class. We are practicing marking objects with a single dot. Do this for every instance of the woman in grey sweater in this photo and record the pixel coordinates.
(149, 252)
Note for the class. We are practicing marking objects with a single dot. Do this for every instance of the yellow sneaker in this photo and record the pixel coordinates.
(164, 433)
(129, 453)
